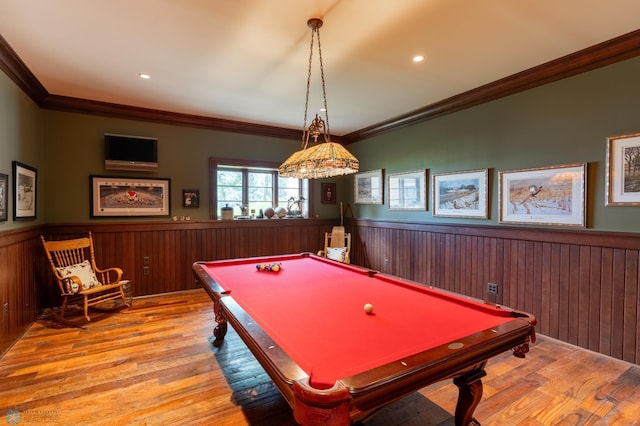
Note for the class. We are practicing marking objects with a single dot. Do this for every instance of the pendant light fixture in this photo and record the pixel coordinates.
(323, 158)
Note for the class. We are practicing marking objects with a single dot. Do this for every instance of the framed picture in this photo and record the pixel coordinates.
(328, 192)
(407, 191)
(4, 187)
(461, 194)
(25, 179)
(623, 171)
(545, 196)
(368, 187)
(122, 196)
(190, 198)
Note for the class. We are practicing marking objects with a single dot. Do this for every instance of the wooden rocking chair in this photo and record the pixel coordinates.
(337, 245)
(74, 269)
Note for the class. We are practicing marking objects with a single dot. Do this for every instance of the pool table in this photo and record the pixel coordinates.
(335, 363)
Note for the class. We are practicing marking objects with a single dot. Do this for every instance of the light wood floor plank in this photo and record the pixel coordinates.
(154, 364)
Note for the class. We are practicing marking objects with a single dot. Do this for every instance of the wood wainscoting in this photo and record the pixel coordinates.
(582, 286)
(27, 287)
(20, 295)
(167, 250)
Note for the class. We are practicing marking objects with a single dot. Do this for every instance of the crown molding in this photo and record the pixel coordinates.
(16, 70)
(615, 50)
(609, 52)
(106, 109)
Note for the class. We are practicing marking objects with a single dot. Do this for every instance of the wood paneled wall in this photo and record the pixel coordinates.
(583, 286)
(172, 247)
(19, 290)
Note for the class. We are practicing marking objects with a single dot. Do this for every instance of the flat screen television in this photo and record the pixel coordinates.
(137, 153)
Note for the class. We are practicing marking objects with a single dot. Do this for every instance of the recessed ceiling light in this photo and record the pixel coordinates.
(418, 58)
(144, 76)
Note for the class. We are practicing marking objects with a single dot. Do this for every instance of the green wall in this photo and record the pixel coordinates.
(560, 123)
(74, 146)
(20, 140)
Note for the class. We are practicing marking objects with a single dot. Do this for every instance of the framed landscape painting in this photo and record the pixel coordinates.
(461, 194)
(544, 196)
(623, 171)
(369, 187)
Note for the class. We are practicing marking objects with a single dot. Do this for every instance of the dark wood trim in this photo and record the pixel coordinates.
(167, 225)
(17, 71)
(615, 50)
(16, 236)
(624, 240)
(600, 55)
(106, 109)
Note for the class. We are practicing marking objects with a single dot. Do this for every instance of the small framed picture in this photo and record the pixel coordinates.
(461, 194)
(544, 196)
(25, 179)
(190, 198)
(623, 170)
(407, 191)
(328, 193)
(369, 187)
(4, 182)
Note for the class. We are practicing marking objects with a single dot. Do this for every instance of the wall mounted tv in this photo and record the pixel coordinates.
(130, 153)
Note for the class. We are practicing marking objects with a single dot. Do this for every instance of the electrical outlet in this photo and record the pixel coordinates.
(5, 309)
(145, 261)
(492, 288)
(386, 263)
(145, 270)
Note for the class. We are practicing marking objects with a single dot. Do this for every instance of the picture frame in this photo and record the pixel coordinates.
(461, 194)
(328, 193)
(622, 181)
(114, 196)
(407, 190)
(25, 196)
(4, 191)
(369, 187)
(554, 195)
(190, 198)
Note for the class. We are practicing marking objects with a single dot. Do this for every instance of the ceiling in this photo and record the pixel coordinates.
(247, 60)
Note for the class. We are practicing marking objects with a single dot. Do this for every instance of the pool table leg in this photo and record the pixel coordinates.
(220, 329)
(469, 395)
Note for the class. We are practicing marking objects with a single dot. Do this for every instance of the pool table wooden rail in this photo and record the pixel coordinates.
(355, 398)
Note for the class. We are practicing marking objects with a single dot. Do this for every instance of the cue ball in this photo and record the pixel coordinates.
(368, 308)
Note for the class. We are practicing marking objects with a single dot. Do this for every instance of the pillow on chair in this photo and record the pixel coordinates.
(336, 253)
(84, 272)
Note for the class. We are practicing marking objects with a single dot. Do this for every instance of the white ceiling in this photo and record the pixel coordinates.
(247, 60)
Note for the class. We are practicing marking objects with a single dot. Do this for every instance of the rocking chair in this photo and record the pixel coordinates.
(337, 245)
(74, 269)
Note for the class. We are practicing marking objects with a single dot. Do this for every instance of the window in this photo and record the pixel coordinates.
(255, 186)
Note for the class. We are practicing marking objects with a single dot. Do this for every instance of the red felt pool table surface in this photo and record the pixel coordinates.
(313, 309)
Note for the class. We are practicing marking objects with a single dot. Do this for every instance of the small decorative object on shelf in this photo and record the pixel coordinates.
(227, 212)
(294, 206)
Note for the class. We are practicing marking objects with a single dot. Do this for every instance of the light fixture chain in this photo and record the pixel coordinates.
(305, 137)
(324, 90)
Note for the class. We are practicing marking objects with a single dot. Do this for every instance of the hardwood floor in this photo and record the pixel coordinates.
(153, 364)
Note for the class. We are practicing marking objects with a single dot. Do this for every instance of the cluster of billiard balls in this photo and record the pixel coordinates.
(270, 267)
